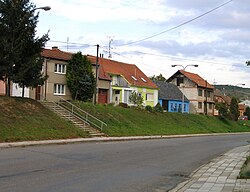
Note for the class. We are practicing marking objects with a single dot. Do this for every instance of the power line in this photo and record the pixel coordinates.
(72, 43)
(184, 23)
(180, 58)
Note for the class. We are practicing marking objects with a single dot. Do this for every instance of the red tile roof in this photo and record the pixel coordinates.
(56, 53)
(125, 70)
(197, 79)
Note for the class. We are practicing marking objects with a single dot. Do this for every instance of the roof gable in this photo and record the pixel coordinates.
(130, 72)
(169, 91)
(198, 80)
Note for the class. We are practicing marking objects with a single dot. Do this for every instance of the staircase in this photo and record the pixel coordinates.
(75, 119)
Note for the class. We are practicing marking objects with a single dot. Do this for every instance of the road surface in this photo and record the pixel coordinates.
(126, 166)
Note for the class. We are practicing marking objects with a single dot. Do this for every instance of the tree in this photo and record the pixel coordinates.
(247, 112)
(20, 59)
(248, 63)
(234, 109)
(158, 78)
(80, 78)
(222, 108)
(136, 99)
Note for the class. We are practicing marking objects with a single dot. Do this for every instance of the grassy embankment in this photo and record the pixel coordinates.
(26, 119)
(130, 121)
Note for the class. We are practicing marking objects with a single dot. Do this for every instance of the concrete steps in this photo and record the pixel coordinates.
(64, 113)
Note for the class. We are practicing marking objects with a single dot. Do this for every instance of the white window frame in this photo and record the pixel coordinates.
(59, 89)
(60, 68)
(150, 97)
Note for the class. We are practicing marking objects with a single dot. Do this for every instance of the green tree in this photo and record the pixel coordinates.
(80, 78)
(158, 78)
(248, 63)
(247, 112)
(20, 59)
(136, 99)
(234, 109)
(222, 108)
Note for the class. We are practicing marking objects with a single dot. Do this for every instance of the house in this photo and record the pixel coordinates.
(127, 78)
(243, 105)
(219, 97)
(197, 90)
(115, 80)
(55, 87)
(171, 98)
(246, 103)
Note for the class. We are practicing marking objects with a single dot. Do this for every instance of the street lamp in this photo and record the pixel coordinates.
(45, 8)
(184, 67)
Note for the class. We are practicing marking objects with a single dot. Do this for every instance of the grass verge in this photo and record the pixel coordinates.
(135, 122)
(245, 170)
(25, 119)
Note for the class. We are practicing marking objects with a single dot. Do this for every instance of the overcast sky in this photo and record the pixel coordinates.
(218, 42)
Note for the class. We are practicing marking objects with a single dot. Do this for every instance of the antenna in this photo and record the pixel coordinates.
(67, 43)
(110, 41)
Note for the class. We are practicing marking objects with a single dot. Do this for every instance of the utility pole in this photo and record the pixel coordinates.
(96, 74)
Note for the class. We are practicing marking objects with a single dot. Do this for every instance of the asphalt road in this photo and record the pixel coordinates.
(127, 166)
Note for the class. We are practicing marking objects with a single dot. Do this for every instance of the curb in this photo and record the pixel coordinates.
(106, 139)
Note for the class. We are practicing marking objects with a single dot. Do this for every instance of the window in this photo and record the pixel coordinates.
(134, 78)
(143, 80)
(60, 68)
(199, 92)
(179, 81)
(209, 94)
(185, 107)
(59, 89)
(172, 107)
(210, 105)
(150, 97)
(200, 105)
(127, 93)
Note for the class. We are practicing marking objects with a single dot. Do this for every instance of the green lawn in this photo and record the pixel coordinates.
(131, 122)
(26, 119)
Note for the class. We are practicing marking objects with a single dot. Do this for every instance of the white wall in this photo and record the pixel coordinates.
(17, 91)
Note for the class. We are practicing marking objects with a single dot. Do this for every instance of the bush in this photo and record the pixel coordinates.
(149, 108)
(158, 108)
(124, 105)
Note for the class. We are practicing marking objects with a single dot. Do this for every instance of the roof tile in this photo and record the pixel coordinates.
(128, 71)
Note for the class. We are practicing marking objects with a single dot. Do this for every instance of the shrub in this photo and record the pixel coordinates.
(158, 108)
(124, 105)
(149, 108)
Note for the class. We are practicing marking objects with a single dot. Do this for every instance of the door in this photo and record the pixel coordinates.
(38, 93)
(103, 96)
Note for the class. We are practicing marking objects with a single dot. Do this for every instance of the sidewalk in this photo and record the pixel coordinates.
(220, 175)
(103, 139)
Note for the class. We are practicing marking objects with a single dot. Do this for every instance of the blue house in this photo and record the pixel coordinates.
(171, 98)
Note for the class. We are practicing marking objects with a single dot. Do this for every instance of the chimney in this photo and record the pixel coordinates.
(54, 48)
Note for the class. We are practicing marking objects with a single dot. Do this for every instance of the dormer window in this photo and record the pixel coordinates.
(134, 78)
(143, 80)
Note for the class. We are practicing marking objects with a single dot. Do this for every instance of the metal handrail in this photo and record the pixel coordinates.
(71, 114)
(84, 112)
